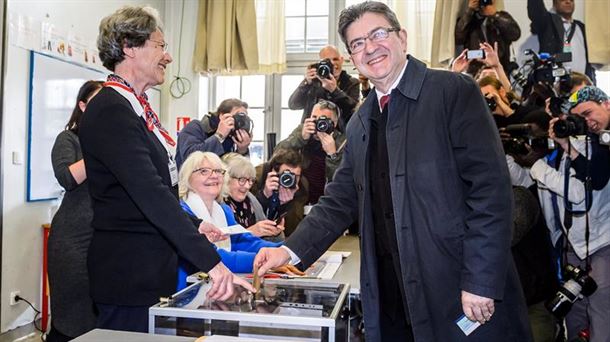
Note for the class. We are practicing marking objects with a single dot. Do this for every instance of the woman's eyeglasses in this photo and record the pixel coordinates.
(206, 171)
(244, 180)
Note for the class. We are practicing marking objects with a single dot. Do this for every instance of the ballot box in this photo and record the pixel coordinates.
(284, 309)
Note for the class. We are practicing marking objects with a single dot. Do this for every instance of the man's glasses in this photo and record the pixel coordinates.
(162, 44)
(206, 171)
(244, 180)
(377, 35)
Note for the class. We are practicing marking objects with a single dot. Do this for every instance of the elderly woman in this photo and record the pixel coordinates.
(202, 179)
(139, 226)
(246, 208)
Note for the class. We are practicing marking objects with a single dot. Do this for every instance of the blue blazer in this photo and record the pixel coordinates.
(241, 257)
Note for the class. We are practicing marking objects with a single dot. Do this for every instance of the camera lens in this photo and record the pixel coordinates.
(288, 179)
(324, 124)
(491, 103)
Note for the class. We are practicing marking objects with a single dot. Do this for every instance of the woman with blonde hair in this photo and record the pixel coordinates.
(202, 185)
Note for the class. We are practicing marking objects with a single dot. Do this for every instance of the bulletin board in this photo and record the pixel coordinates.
(54, 85)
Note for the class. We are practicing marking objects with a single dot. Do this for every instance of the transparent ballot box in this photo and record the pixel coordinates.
(283, 309)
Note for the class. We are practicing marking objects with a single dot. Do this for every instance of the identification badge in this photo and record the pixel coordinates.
(567, 47)
(173, 171)
(467, 326)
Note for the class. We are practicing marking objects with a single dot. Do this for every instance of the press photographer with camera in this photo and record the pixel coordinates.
(320, 144)
(229, 129)
(326, 80)
(504, 105)
(279, 188)
(559, 32)
(480, 23)
(564, 200)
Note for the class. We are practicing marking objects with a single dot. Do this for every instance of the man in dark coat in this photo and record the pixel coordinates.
(558, 32)
(426, 178)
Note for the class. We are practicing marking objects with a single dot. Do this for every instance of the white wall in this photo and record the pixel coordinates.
(22, 233)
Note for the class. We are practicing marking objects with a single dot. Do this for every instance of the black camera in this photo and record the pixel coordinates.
(324, 68)
(520, 136)
(242, 121)
(543, 68)
(559, 105)
(288, 179)
(324, 124)
(577, 285)
(572, 125)
(491, 103)
(483, 3)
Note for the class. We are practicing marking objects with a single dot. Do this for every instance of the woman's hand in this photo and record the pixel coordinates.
(211, 232)
(266, 228)
(460, 63)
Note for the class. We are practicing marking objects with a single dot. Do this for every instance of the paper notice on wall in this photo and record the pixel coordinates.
(24, 31)
(54, 40)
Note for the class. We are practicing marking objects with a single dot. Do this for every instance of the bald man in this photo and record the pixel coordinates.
(337, 87)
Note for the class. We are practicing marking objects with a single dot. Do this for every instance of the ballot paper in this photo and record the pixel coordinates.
(234, 229)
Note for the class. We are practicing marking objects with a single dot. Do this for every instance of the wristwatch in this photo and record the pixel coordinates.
(333, 156)
(220, 137)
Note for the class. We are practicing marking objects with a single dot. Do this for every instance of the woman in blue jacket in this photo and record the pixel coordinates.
(201, 185)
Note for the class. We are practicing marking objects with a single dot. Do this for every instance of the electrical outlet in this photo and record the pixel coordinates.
(14, 294)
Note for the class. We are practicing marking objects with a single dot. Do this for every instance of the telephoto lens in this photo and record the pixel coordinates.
(578, 284)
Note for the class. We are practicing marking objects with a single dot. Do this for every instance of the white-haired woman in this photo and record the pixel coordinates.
(246, 208)
(201, 184)
(139, 227)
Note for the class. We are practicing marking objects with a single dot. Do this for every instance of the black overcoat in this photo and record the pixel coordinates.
(452, 203)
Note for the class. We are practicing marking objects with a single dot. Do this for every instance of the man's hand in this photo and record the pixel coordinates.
(309, 128)
(329, 84)
(265, 228)
(268, 258)
(286, 195)
(226, 124)
(460, 63)
(242, 140)
(223, 283)
(211, 232)
(272, 183)
(477, 308)
(529, 159)
(310, 74)
(473, 4)
(328, 143)
(563, 142)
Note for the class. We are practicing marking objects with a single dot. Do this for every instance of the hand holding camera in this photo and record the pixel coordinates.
(272, 183)
(226, 125)
(328, 143)
(309, 128)
(329, 83)
(242, 140)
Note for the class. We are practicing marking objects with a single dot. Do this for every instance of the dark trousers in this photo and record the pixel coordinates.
(125, 318)
(395, 328)
(56, 336)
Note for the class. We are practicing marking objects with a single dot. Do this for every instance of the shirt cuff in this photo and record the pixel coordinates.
(294, 259)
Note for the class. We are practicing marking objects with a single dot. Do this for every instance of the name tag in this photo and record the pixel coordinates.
(567, 47)
(173, 171)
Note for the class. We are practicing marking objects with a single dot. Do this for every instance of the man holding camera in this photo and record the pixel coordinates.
(229, 129)
(321, 145)
(482, 22)
(572, 210)
(558, 32)
(326, 80)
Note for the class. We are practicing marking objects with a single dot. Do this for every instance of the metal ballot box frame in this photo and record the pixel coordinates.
(302, 309)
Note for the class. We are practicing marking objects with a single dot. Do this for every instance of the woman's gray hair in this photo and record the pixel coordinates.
(129, 26)
(193, 162)
(354, 12)
(239, 166)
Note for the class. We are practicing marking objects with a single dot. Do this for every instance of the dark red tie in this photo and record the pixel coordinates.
(384, 101)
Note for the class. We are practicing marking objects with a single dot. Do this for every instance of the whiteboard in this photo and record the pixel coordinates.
(54, 85)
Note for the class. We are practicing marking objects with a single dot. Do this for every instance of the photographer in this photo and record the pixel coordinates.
(320, 83)
(482, 22)
(279, 188)
(503, 104)
(558, 32)
(550, 174)
(229, 129)
(321, 146)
